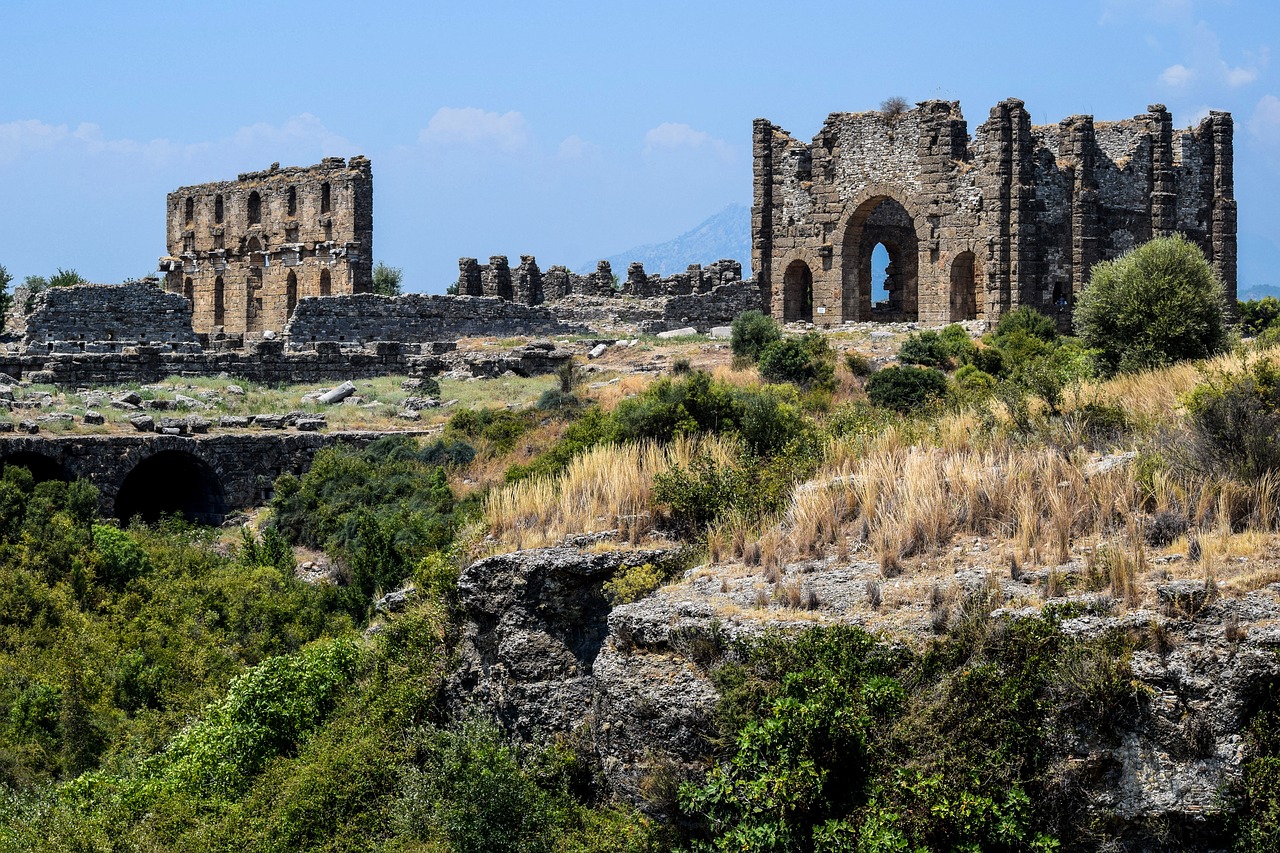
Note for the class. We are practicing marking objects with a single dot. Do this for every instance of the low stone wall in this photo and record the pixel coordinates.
(108, 318)
(417, 318)
(702, 311)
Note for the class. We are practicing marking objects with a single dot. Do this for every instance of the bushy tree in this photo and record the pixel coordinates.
(387, 280)
(807, 361)
(1157, 304)
(906, 389)
(751, 332)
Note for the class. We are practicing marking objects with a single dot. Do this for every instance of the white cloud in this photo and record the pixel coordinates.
(670, 135)
(574, 147)
(303, 136)
(1265, 121)
(473, 126)
(1177, 76)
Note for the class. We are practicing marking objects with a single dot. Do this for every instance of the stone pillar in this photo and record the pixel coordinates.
(1081, 147)
(528, 282)
(762, 212)
(497, 278)
(1164, 196)
(469, 283)
(1223, 233)
(637, 282)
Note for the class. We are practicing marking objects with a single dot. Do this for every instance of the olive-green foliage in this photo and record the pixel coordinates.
(858, 364)
(387, 280)
(767, 420)
(835, 741)
(807, 361)
(632, 583)
(1258, 315)
(1258, 816)
(1024, 320)
(907, 388)
(381, 509)
(751, 332)
(111, 639)
(498, 429)
(1235, 422)
(1157, 304)
(944, 350)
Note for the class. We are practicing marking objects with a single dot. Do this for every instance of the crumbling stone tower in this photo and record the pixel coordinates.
(245, 251)
(1015, 215)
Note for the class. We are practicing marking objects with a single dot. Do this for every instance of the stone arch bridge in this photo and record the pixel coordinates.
(199, 477)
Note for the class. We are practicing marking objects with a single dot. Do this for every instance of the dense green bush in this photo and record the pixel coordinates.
(807, 361)
(858, 364)
(1158, 304)
(1258, 315)
(906, 389)
(751, 332)
(1024, 320)
(944, 349)
(1235, 423)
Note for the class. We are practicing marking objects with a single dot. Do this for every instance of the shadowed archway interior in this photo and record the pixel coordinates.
(172, 482)
(42, 467)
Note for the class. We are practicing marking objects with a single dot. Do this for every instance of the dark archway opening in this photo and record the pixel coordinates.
(42, 467)
(964, 288)
(797, 293)
(290, 294)
(172, 482)
(880, 275)
(255, 208)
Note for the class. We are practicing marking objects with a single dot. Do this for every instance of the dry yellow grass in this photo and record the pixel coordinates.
(605, 488)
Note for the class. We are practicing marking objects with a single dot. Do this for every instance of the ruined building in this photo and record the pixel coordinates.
(245, 251)
(975, 226)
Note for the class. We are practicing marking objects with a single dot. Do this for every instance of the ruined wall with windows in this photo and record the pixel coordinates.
(245, 251)
(975, 226)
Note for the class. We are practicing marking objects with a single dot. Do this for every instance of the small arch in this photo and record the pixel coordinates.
(43, 468)
(324, 197)
(189, 211)
(172, 482)
(255, 208)
(291, 293)
(292, 205)
(189, 290)
(219, 302)
(257, 257)
(217, 209)
(326, 283)
(797, 293)
(964, 288)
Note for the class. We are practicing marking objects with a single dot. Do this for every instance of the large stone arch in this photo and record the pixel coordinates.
(885, 215)
(172, 480)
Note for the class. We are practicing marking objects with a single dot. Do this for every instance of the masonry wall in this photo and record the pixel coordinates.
(975, 226)
(417, 318)
(108, 317)
(246, 252)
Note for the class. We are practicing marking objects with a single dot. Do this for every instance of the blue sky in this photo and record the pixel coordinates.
(565, 130)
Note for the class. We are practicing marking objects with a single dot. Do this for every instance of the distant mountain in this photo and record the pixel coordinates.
(1258, 291)
(725, 235)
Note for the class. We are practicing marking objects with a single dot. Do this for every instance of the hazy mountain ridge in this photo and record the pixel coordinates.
(727, 234)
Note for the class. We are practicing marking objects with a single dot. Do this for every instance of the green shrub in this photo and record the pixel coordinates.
(957, 343)
(906, 389)
(698, 495)
(632, 583)
(972, 379)
(1258, 315)
(926, 349)
(858, 364)
(1235, 423)
(989, 360)
(807, 361)
(1025, 320)
(751, 332)
(769, 419)
(1158, 304)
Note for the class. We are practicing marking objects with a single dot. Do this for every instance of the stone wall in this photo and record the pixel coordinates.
(417, 318)
(245, 252)
(529, 285)
(106, 318)
(975, 226)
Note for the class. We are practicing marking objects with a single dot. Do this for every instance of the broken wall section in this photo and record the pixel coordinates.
(108, 317)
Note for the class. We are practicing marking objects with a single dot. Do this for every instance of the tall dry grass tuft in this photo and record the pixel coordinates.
(606, 488)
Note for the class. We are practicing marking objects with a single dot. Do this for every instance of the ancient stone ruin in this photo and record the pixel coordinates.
(244, 252)
(977, 225)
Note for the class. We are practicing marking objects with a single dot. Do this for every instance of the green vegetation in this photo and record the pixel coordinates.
(751, 332)
(807, 361)
(906, 389)
(387, 280)
(1235, 423)
(836, 741)
(1158, 304)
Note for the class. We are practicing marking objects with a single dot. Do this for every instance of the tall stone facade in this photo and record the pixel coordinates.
(245, 251)
(975, 226)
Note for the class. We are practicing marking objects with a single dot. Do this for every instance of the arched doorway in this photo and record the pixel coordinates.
(964, 288)
(290, 294)
(172, 482)
(42, 467)
(880, 223)
(797, 293)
